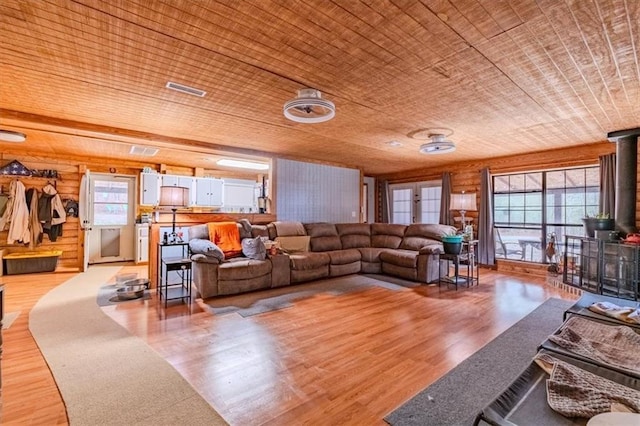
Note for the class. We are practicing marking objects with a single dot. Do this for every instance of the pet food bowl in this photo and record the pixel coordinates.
(132, 289)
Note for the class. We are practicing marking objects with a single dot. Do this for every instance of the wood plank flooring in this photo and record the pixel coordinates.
(345, 359)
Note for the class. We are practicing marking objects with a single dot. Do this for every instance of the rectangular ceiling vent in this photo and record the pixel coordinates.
(186, 89)
(144, 151)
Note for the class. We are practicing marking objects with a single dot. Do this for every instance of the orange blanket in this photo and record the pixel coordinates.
(226, 236)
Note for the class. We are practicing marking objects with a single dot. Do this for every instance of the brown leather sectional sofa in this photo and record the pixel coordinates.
(409, 252)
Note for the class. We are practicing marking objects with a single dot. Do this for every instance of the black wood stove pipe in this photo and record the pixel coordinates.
(626, 178)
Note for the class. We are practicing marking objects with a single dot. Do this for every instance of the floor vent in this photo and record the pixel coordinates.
(145, 151)
(186, 89)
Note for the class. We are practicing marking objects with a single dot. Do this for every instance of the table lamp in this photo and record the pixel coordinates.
(174, 197)
(463, 202)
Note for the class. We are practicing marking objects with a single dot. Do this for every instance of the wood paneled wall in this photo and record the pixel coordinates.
(67, 184)
(466, 176)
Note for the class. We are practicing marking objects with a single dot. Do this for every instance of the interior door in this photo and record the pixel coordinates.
(111, 215)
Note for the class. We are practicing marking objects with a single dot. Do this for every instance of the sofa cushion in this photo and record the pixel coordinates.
(308, 261)
(404, 258)
(354, 235)
(432, 231)
(205, 247)
(324, 236)
(416, 243)
(259, 231)
(343, 257)
(295, 244)
(372, 254)
(241, 268)
(387, 235)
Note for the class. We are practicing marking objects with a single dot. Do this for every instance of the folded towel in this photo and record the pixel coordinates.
(622, 313)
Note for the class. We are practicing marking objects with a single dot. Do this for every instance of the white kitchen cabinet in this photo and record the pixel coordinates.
(149, 189)
(142, 242)
(209, 192)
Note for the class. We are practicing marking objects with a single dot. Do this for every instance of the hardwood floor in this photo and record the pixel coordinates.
(346, 359)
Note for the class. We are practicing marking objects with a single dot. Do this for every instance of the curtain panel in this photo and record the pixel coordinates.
(608, 184)
(486, 241)
(445, 200)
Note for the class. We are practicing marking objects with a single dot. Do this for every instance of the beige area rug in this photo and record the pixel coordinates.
(106, 375)
(9, 318)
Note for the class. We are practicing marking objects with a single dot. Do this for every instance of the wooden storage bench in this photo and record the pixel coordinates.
(28, 262)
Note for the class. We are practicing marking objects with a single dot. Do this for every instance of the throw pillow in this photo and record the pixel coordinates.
(254, 248)
(245, 229)
(205, 247)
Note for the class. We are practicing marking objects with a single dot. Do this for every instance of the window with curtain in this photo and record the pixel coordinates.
(528, 208)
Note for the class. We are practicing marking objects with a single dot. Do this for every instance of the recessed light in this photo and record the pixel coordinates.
(394, 143)
(11, 136)
(242, 164)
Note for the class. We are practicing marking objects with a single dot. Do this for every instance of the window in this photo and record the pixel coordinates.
(528, 208)
(110, 203)
(416, 202)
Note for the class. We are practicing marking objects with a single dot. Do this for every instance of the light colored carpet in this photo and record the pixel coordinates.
(106, 375)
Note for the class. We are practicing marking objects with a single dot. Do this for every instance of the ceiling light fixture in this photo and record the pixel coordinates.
(309, 107)
(242, 164)
(439, 143)
(11, 136)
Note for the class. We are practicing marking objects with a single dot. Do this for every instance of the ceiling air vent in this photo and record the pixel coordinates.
(143, 151)
(185, 89)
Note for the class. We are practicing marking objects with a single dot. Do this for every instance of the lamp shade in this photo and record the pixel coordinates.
(174, 196)
(463, 201)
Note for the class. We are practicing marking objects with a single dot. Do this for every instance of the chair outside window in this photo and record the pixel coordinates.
(508, 249)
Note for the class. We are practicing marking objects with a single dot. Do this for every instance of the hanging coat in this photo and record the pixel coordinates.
(16, 215)
(34, 224)
(51, 212)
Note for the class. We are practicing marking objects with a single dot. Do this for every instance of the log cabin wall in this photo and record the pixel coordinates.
(67, 184)
(70, 171)
(465, 176)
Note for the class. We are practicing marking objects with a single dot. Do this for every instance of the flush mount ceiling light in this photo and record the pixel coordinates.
(309, 107)
(242, 164)
(11, 136)
(439, 143)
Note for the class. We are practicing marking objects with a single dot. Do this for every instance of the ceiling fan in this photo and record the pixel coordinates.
(439, 144)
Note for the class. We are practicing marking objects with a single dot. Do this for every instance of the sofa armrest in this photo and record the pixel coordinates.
(431, 249)
(202, 258)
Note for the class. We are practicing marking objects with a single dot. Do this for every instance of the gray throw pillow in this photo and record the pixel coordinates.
(206, 247)
(254, 248)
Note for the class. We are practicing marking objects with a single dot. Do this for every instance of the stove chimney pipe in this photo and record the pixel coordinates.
(626, 178)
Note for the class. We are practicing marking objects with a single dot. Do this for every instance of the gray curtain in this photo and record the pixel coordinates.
(445, 200)
(486, 242)
(383, 186)
(608, 184)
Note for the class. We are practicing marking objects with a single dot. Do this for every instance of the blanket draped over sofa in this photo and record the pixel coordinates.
(406, 251)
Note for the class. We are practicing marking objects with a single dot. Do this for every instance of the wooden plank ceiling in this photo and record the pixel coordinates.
(88, 77)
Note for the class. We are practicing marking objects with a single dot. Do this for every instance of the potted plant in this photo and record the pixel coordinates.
(599, 222)
(452, 243)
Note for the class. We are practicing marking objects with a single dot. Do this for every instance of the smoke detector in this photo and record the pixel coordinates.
(309, 107)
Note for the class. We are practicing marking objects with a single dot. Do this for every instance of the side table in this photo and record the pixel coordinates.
(466, 258)
(174, 277)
